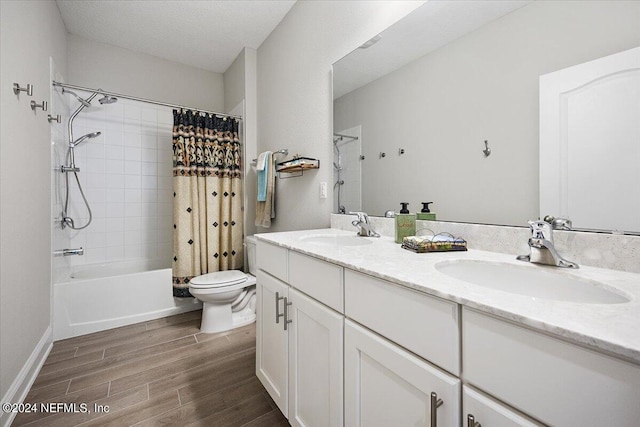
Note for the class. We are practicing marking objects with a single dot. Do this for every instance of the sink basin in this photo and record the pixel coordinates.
(336, 240)
(538, 282)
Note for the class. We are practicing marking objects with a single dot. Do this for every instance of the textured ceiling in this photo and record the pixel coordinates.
(207, 34)
(429, 27)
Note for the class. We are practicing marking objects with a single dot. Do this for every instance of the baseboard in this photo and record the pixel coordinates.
(27, 375)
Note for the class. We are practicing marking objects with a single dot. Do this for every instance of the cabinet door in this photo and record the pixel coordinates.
(271, 338)
(386, 385)
(315, 363)
(489, 412)
(558, 383)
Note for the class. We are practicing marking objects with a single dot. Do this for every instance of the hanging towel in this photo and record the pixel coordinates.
(266, 210)
(264, 159)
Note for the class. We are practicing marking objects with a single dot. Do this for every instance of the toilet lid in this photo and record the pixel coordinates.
(218, 279)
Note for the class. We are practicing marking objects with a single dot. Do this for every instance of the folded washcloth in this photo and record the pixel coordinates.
(437, 243)
(264, 159)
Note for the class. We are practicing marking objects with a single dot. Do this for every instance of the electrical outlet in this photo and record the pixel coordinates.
(323, 190)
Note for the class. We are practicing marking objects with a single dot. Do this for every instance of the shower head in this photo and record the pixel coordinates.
(83, 138)
(107, 99)
(81, 100)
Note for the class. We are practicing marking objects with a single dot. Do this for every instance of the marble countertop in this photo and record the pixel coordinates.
(613, 328)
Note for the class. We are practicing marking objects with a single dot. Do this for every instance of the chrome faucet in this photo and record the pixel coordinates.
(67, 252)
(541, 248)
(363, 225)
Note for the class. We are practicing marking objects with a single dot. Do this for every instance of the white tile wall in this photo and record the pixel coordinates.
(60, 239)
(126, 174)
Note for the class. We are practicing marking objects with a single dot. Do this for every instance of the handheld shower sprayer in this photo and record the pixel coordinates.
(83, 138)
(76, 96)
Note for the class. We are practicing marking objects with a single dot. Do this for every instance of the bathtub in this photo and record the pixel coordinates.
(103, 296)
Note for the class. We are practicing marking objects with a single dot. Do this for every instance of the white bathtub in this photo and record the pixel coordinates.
(104, 296)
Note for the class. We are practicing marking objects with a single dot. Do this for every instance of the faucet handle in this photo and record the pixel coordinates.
(362, 217)
(559, 223)
(541, 230)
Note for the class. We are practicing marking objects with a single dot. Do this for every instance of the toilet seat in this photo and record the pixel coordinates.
(218, 279)
(220, 282)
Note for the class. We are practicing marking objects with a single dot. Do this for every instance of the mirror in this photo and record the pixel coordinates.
(414, 106)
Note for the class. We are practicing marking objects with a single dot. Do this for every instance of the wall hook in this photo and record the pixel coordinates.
(43, 105)
(57, 118)
(17, 89)
(400, 151)
(382, 155)
(487, 150)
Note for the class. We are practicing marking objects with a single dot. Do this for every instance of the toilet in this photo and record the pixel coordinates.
(228, 297)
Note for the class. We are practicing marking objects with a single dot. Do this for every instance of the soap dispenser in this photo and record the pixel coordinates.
(425, 213)
(405, 223)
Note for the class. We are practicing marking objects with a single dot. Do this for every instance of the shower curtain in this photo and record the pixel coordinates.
(207, 191)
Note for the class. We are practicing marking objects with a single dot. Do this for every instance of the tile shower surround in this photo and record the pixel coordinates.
(126, 174)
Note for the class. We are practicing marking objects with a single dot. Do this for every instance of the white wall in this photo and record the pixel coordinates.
(441, 108)
(295, 93)
(98, 65)
(31, 32)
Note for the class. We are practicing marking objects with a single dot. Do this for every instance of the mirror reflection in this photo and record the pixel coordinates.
(444, 107)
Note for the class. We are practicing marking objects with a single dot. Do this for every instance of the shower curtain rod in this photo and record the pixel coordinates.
(135, 98)
(345, 136)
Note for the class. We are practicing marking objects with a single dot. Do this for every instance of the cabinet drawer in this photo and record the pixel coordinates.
(272, 259)
(386, 385)
(318, 279)
(489, 412)
(551, 380)
(426, 325)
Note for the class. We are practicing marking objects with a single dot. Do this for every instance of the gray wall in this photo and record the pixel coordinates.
(441, 108)
(295, 94)
(240, 87)
(31, 33)
(99, 65)
(233, 79)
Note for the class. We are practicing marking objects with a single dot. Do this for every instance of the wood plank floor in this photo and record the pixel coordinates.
(162, 372)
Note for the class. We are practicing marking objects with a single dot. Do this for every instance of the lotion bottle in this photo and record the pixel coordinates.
(425, 213)
(405, 223)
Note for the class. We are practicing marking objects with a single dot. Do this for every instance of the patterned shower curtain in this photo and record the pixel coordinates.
(207, 191)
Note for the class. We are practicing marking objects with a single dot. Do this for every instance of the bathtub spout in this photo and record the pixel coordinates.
(68, 252)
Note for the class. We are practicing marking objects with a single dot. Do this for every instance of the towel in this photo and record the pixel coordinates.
(442, 242)
(266, 210)
(263, 160)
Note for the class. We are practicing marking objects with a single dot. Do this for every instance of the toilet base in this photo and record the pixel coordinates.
(219, 318)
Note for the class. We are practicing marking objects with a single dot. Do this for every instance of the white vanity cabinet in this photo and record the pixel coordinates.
(339, 347)
(386, 385)
(481, 410)
(556, 382)
(425, 325)
(299, 341)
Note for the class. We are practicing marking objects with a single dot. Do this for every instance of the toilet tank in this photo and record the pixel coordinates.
(250, 241)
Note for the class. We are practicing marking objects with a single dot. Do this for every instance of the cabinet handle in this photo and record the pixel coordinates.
(278, 314)
(435, 404)
(286, 313)
(471, 421)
